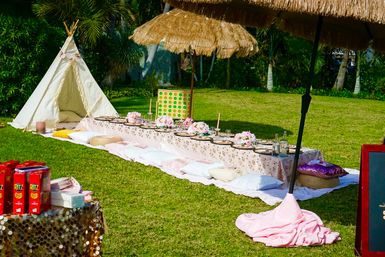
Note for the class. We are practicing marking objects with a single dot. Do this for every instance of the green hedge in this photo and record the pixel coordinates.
(27, 48)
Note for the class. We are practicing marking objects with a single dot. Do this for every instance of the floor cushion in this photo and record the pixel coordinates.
(63, 133)
(317, 182)
(84, 136)
(105, 139)
(225, 174)
(255, 182)
(200, 169)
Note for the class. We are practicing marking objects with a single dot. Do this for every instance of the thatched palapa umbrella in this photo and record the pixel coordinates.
(185, 32)
(350, 24)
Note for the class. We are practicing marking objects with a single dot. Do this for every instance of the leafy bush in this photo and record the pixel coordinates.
(27, 48)
(244, 73)
(145, 88)
(111, 93)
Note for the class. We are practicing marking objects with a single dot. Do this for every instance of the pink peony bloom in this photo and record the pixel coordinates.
(133, 116)
(187, 122)
(246, 138)
(164, 122)
(198, 127)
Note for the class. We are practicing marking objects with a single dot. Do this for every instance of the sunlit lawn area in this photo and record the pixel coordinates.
(150, 213)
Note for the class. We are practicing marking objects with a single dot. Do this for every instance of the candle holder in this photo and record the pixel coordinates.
(40, 127)
(149, 114)
(217, 131)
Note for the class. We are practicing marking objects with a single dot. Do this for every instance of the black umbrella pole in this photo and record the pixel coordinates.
(306, 99)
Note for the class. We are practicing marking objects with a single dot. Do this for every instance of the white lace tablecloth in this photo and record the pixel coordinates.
(246, 160)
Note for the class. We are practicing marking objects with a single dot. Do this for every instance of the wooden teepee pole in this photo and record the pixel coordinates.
(70, 31)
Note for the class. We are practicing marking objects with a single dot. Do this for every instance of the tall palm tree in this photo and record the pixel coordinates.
(104, 27)
(96, 16)
(357, 85)
(339, 82)
(275, 40)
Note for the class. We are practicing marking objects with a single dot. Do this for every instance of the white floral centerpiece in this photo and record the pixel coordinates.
(246, 138)
(164, 122)
(132, 117)
(199, 128)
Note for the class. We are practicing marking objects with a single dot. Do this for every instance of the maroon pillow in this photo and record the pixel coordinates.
(321, 169)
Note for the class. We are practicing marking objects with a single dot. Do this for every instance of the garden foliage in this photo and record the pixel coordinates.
(27, 48)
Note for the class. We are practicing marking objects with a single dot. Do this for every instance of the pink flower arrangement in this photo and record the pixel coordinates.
(246, 138)
(199, 128)
(187, 122)
(132, 117)
(164, 122)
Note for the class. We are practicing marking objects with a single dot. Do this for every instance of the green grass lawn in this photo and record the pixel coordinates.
(150, 213)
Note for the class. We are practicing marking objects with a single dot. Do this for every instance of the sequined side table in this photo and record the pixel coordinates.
(57, 232)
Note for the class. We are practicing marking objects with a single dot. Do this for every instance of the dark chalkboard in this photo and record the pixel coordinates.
(376, 201)
(370, 233)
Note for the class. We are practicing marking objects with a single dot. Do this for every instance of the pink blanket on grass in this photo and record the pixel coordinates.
(286, 226)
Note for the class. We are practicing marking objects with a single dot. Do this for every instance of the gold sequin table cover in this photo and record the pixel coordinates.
(247, 160)
(57, 232)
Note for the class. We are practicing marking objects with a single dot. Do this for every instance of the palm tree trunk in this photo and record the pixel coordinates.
(357, 86)
(339, 83)
(270, 81)
(269, 85)
(211, 66)
(228, 74)
(152, 50)
(179, 70)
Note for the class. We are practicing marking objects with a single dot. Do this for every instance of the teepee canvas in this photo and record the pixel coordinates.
(67, 92)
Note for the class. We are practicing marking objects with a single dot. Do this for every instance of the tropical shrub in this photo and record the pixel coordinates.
(27, 48)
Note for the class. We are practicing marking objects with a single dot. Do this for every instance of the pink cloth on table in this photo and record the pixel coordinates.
(286, 226)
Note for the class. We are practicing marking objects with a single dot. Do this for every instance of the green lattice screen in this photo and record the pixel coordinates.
(173, 103)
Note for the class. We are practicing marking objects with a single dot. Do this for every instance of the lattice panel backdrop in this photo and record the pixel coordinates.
(173, 103)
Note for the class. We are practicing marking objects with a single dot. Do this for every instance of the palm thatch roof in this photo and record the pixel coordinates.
(181, 31)
(351, 24)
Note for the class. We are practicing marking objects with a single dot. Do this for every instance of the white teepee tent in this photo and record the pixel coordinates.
(67, 92)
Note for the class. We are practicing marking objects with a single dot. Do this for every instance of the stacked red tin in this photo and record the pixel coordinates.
(24, 187)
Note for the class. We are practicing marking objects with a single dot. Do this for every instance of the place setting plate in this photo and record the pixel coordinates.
(265, 142)
(201, 138)
(222, 142)
(119, 120)
(224, 134)
(292, 150)
(147, 126)
(263, 151)
(242, 147)
(164, 130)
(184, 134)
(133, 124)
(104, 118)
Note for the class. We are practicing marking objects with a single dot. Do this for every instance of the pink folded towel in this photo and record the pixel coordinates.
(286, 226)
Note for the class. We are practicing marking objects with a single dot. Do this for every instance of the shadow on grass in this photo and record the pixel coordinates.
(338, 206)
(263, 131)
(124, 105)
